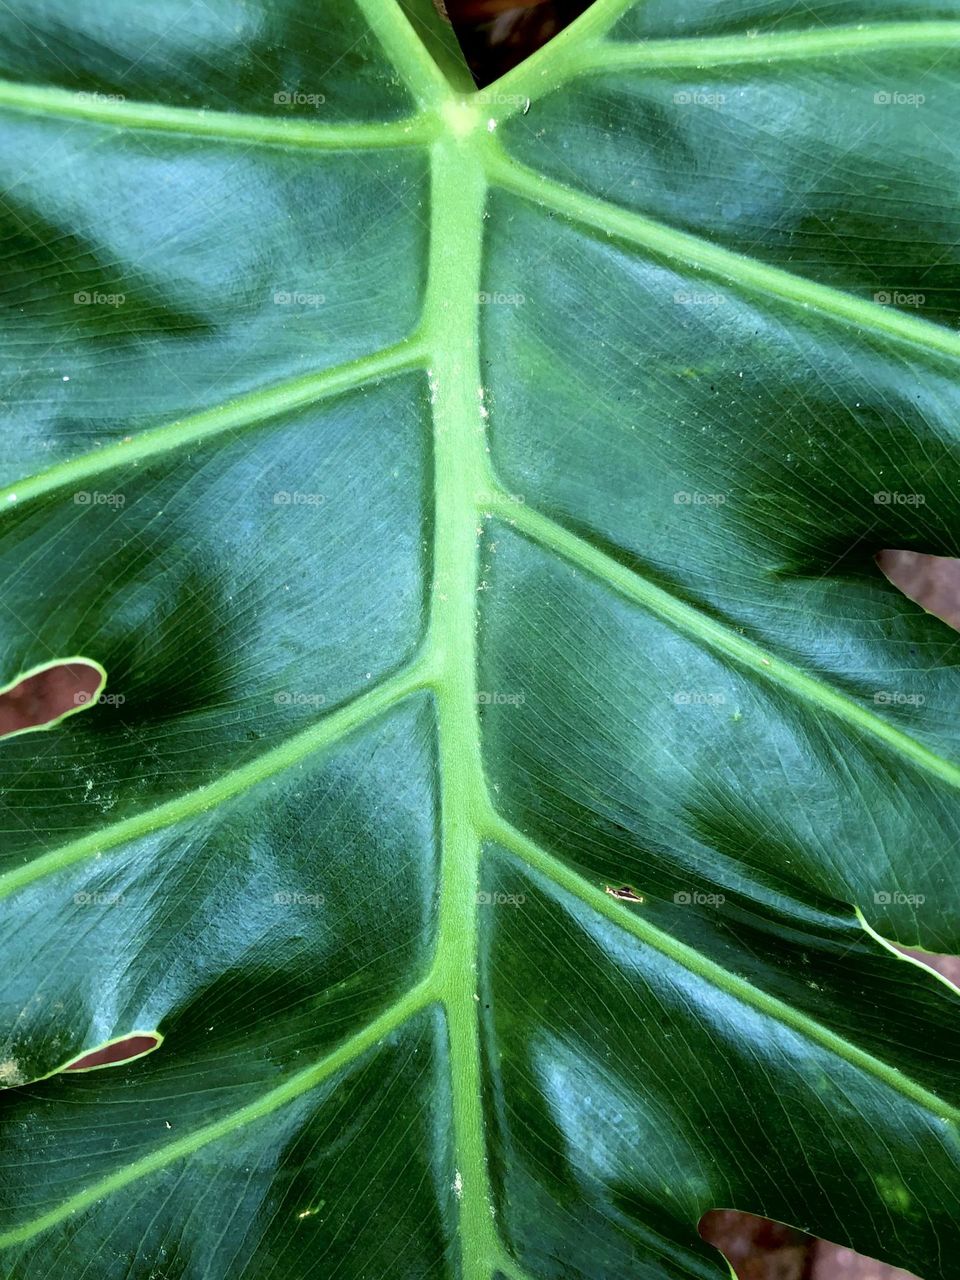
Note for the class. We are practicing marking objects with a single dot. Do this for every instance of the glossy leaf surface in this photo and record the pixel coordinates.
(510, 757)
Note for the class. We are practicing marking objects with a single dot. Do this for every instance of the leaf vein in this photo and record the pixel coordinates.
(256, 408)
(692, 622)
(554, 869)
(323, 733)
(737, 269)
(228, 126)
(409, 1004)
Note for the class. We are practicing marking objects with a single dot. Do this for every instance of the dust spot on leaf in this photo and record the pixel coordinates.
(10, 1074)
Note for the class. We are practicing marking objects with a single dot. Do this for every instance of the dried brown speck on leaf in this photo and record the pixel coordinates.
(623, 892)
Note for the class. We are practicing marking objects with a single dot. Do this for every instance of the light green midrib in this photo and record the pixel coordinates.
(690, 621)
(452, 328)
(499, 830)
(703, 255)
(492, 826)
(261, 406)
(449, 669)
(420, 674)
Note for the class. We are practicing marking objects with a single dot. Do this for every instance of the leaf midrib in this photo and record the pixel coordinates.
(264, 404)
(420, 673)
(432, 989)
(467, 798)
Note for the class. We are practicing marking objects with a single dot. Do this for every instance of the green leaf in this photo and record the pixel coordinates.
(511, 761)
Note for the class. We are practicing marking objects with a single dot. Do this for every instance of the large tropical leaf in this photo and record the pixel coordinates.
(511, 756)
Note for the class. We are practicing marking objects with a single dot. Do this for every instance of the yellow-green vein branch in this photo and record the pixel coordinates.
(419, 71)
(367, 1038)
(702, 629)
(226, 126)
(580, 51)
(323, 733)
(773, 46)
(695, 962)
(557, 61)
(250, 410)
(699, 254)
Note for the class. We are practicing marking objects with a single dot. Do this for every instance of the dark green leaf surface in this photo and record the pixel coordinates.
(511, 760)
